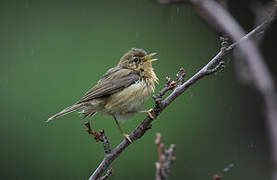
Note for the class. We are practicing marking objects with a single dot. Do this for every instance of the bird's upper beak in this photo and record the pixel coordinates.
(147, 58)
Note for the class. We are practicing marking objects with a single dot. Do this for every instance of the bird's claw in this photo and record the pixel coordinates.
(127, 137)
(149, 113)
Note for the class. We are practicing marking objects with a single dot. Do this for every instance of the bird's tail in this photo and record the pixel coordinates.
(65, 111)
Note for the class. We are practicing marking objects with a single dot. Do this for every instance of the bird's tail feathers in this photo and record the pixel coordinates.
(65, 111)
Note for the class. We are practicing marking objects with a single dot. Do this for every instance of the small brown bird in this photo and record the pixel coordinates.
(122, 91)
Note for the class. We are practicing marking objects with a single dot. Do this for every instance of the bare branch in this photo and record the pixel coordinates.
(216, 68)
(109, 172)
(169, 1)
(228, 168)
(224, 171)
(166, 158)
(95, 135)
(105, 141)
(158, 144)
(99, 137)
(180, 77)
(218, 14)
(261, 13)
(169, 85)
(216, 177)
(255, 63)
(160, 106)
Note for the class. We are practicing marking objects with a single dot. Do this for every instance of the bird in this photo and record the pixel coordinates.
(122, 91)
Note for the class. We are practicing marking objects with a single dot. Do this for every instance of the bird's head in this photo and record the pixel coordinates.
(138, 60)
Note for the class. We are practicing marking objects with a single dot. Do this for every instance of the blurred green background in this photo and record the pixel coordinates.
(52, 52)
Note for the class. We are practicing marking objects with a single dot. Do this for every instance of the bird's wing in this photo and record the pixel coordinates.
(113, 81)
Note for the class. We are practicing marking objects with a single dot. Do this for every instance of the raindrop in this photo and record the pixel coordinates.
(252, 144)
(32, 52)
(137, 35)
(228, 168)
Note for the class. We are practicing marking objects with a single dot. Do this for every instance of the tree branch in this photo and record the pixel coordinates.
(255, 63)
(224, 171)
(211, 67)
(166, 158)
(109, 172)
(218, 14)
(221, 21)
(261, 13)
(216, 177)
(99, 137)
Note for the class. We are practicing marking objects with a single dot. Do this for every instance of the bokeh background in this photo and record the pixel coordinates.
(52, 52)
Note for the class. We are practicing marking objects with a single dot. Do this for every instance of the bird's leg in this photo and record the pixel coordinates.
(125, 136)
(148, 112)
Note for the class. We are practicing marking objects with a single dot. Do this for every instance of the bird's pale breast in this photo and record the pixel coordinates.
(125, 103)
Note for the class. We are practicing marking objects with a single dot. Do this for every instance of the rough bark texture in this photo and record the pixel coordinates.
(263, 80)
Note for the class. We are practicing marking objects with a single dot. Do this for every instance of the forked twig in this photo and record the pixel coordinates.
(211, 67)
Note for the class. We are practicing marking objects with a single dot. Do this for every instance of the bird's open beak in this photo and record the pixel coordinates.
(148, 57)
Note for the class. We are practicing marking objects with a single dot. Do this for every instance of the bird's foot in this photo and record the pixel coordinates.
(126, 136)
(149, 113)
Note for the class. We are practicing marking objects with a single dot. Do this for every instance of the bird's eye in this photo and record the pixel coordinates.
(135, 60)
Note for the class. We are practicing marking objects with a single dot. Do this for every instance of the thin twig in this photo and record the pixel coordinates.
(158, 144)
(99, 137)
(169, 85)
(216, 177)
(166, 158)
(261, 13)
(169, 1)
(180, 77)
(102, 138)
(95, 135)
(255, 63)
(105, 141)
(159, 107)
(224, 171)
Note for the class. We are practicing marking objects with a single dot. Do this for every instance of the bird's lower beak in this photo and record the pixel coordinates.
(147, 58)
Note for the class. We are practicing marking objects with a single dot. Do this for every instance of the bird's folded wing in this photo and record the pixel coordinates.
(113, 81)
